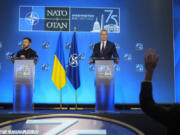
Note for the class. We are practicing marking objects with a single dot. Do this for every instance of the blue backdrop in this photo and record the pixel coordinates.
(149, 22)
(177, 47)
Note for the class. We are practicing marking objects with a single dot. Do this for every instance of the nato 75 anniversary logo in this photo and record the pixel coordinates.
(40, 18)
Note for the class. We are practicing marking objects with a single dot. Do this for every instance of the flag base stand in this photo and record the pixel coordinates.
(73, 108)
(76, 105)
(61, 105)
(60, 108)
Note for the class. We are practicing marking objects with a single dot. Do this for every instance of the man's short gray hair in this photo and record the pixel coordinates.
(104, 30)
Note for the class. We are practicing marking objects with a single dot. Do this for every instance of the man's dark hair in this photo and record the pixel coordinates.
(28, 39)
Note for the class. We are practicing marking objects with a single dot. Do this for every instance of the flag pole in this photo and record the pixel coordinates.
(60, 90)
(75, 89)
(60, 99)
(60, 106)
(76, 98)
(76, 105)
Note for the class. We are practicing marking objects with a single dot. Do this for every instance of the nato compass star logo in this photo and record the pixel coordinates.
(32, 18)
(73, 60)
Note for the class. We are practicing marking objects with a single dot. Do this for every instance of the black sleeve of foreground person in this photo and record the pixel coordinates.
(166, 116)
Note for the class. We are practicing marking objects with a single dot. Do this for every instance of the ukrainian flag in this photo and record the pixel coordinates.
(59, 73)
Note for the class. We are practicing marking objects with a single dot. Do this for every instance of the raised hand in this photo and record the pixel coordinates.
(150, 60)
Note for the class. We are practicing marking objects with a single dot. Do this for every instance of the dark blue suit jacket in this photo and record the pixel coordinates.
(109, 51)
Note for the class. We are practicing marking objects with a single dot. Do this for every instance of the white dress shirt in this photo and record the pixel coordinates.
(101, 45)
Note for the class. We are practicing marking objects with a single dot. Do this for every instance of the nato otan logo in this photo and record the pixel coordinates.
(41, 18)
(32, 18)
(67, 124)
(73, 60)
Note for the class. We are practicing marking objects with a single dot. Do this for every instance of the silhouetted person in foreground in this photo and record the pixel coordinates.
(170, 117)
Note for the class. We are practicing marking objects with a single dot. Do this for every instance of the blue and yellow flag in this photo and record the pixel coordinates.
(59, 73)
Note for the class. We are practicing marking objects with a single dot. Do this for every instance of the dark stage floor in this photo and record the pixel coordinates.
(135, 118)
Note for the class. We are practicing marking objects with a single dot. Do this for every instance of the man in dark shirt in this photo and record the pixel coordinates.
(26, 52)
(169, 117)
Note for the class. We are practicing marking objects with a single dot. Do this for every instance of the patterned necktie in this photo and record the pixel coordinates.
(102, 49)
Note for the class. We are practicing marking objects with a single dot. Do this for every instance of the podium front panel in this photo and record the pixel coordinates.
(23, 86)
(104, 83)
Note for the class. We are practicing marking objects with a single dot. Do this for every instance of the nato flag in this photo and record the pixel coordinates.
(73, 64)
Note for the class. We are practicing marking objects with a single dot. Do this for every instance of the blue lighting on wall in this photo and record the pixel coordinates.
(140, 22)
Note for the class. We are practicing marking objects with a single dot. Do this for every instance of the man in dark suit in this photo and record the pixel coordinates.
(170, 117)
(104, 49)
